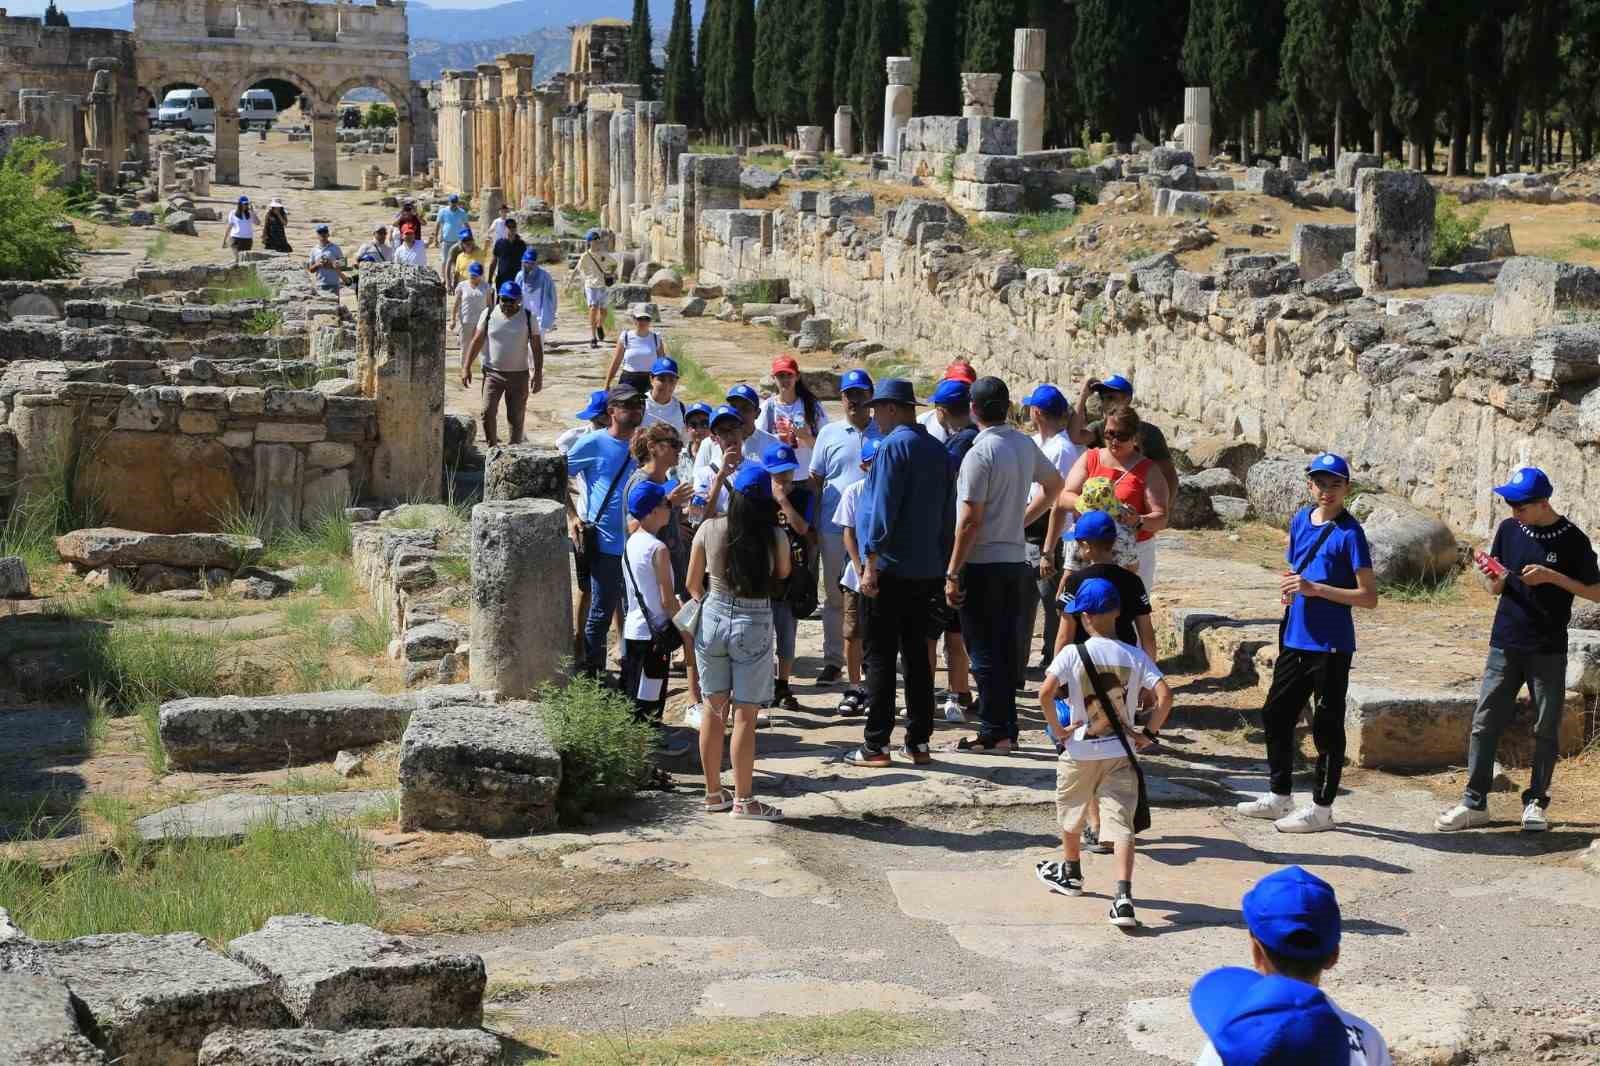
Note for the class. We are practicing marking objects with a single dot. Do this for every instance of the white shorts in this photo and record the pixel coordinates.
(595, 294)
(1147, 562)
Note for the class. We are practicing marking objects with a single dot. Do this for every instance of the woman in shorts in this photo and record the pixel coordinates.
(593, 274)
(241, 231)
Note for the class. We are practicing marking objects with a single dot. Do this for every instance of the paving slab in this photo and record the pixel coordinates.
(797, 996)
(765, 869)
(357, 1047)
(270, 732)
(38, 1026)
(607, 955)
(232, 814)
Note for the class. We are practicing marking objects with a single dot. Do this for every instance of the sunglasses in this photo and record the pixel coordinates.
(1119, 436)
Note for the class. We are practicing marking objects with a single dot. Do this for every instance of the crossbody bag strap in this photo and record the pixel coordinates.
(1316, 545)
(1099, 685)
(611, 489)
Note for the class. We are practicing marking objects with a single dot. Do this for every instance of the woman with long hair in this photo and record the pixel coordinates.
(1138, 483)
(734, 567)
(240, 232)
(277, 227)
(794, 414)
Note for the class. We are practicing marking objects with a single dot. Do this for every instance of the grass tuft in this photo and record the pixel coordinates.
(372, 634)
(250, 286)
(695, 384)
(1445, 590)
(1035, 237)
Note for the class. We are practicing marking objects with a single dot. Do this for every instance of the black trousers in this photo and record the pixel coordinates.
(898, 626)
(1322, 678)
(638, 664)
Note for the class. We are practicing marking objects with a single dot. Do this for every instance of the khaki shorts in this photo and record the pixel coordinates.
(853, 629)
(1112, 780)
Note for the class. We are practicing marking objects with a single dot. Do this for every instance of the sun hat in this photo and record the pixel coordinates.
(475, 269)
(1293, 912)
(665, 365)
(952, 392)
(960, 372)
(779, 458)
(1049, 399)
(869, 449)
(1268, 1020)
(746, 393)
(1328, 463)
(274, 202)
(1093, 525)
(752, 480)
(510, 290)
(894, 390)
(855, 379)
(785, 364)
(1117, 383)
(1529, 483)
(597, 404)
(645, 497)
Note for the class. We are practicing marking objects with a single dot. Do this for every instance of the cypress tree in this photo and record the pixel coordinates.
(844, 56)
(939, 73)
(1197, 43)
(1367, 74)
(713, 27)
(821, 36)
(738, 63)
(640, 65)
(678, 91)
(767, 72)
(1316, 38)
(1103, 54)
(883, 36)
(1246, 39)
(988, 36)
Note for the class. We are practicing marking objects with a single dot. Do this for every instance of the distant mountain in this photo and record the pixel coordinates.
(550, 47)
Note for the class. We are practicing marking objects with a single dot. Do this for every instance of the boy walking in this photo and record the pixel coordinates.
(1094, 767)
(1538, 562)
(854, 700)
(1331, 572)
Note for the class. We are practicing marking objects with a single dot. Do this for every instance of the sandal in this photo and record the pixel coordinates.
(722, 802)
(979, 746)
(849, 703)
(754, 810)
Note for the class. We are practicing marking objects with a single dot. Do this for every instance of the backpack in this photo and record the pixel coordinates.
(800, 592)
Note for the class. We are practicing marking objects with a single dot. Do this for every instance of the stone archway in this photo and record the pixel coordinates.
(402, 109)
(225, 136)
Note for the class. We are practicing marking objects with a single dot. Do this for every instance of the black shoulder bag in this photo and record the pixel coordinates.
(1141, 813)
(665, 638)
(588, 545)
(1316, 546)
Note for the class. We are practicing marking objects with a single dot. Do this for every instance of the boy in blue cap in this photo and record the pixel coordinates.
(845, 515)
(1277, 1013)
(1538, 562)
(1330, 572)
(651, 603)
(1094, 767)
(835, 466)
(1051, 415)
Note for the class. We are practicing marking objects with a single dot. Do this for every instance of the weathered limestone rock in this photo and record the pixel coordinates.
(524, 471)
(1349, 164)
(1268, 181)
(1336, 286)
(1426, 729)
(1394, 229)
(162, 482)
(1214, 482)
(109, 546)
(521, 595)
(357, 1047)
(401, 344)
(1235, 457)
(335, 976)
(977, 94)
(264, 732)
(1191, 506)
(38, 1026)
(843, 204)
(489, 770)
(230, 815)
(1493, 242)
(1276, 488)
(14, 579)
(1583, 661)
(816, 334)
(431, 640)
(1407, 543)
(1533, 293)
(756, 182)
(1318, 249)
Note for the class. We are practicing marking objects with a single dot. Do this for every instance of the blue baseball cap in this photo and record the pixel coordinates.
(869, 448)
(855, 379)
(597, 404)
(751, 480)
(725, 411)
(1295, 913)
(453, 198)
(510, 290)
(244, 199)
(1328, 463)
(530, 256)
(1092, 525)
(322, 227)
(645, 497)
(464, 235)
(697, 409)
(894, 390)
(475, 269)
(1095, 596)
(746, 393)
(1268, 1020)
(664, 365)
(1529, 483)
(1117, 383)
(779, 458)
(1048, 398)
(592, 235)
(951, 393)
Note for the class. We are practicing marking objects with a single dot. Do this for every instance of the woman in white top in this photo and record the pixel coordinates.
(594, 287)
(651, 602)
(637, 351)
(794, 415)
(660, 405)
(241, 228)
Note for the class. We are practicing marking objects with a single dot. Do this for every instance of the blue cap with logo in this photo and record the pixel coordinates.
(1117, 383)
(244, 200)
(869, 448)
(1268, 1020)
(725, 412)
(453, 198)
(1529, 483)
(1293, 912)
(752, 480)
(464, 235)
(779, 458)
(952, 393)
(744, 392)
(530, 256)
(475, 269)
(1092, 525)
(697, 409)
(510, 290)
(1095, 596)
(1048, 398)
(321, 227)
(1328, 463)
(664, 366)
(597, 405)
(895, 390)
(855, 379)
(645, 497)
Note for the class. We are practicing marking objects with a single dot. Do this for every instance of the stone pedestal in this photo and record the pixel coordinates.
(200, 181)
(809, 138)
(896, 103)
(1027, 89)
(46, 438)
(1394, 229)
(844, 130)
(977, 94)
(1197, 124)
(402, 147)
(166, 173)
(370, 178)
(646, 116)
(521, 595)
(324, 149)
(400, 340)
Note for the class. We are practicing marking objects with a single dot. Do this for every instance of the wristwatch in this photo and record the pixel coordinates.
(953, 577)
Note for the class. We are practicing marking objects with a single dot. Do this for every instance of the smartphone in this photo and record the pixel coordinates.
(1489, 564)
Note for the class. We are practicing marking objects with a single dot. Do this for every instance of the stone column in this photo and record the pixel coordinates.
(672, 141)
(688, 217)
(401, 364)
(809, 140)
(896, 104)
(558, 161)
(324, 148)
(402, 145)
(1027, 90)
(597, 146)
(166, 172)
(200, 181)
(646, 115)
(544, 154)
(844, 130)
(1197, 124)
(521, 595)
(622, 165)
(580, 158)
(490, 141)
(490, 199)
(225, 146)
(977, 94)
(102, 122)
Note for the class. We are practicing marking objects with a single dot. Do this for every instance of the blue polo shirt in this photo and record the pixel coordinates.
(1316, 624)
(603, 459)
(451, 220)
(836, 459)
(908, 516)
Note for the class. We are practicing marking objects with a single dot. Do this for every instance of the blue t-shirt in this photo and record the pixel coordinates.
(836, 458)
(1316, 624)
(450, 220)
(1533, 618)
(603, 459)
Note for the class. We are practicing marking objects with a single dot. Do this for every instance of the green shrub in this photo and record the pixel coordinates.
(605, 750)
(263, 322)
(947, 170)
(1094, 312)
(32, 244)
(1454, 230)
(380, 116)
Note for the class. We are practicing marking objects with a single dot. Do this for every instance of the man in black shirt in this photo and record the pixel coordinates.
(1097, 532)
(507, 256)
(1539, 561)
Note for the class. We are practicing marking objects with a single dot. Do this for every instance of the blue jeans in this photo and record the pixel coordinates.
(990, 620)
(1504, 674)
(605, 592)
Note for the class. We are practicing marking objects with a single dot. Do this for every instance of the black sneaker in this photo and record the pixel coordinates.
(1053, 875)
(599, 333)
(1122, 915)
(783, 696)
(830, 675)
(1091, 840)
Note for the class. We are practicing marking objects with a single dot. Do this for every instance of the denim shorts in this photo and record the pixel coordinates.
(734, 649)
(594, 295)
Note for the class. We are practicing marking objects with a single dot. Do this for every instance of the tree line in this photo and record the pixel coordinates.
(1495, 84)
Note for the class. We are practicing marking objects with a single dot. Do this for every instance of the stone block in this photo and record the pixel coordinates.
(911, 214)
(489, 770)
(1344, 171)
(1493, 242)
(330, 456)
(14, 579)
(803, 201)
(1583, 662)
(294, 403)
(1276, 488)
(1407, 543)
(335, 976)
(1532, 293)
(1216, 481)
(756, 182)
(941, 133)
(521, 599)
(400, 340)
(1191, 507)
(992, 196)
(1318, 249)
(246, 401)
(279, 472)
(1191, 293)
(1164, 159)
(1427, 729)
(987, 135)
(356, 1047)
(108, 546)
(38, 1025)
(1189, 205)
(431, 640)
(844, 204)
(524, 471)
(290, 432)
(1268, 181)
(1225, 454)
(1394, 229)
(265, 732)
(1295, 167)
(1007, 169)
(1566, 354)
(1336, 286)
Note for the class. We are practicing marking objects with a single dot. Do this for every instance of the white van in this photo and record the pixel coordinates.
(257, 109)
(189, 109)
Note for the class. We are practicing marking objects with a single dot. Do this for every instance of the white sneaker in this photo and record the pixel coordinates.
(1533, 819)
(1270, 807)
(1460, 817)
(693, 716)
(1314, 818)
(763, 719)
(952, 709)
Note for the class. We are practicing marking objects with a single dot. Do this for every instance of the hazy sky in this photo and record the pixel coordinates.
(619, 8)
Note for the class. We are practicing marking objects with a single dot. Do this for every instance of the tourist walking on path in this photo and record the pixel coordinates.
(1051, 415)
(1096, 534)
(793, 415)
(472, 299)
(1136, 479)
(276, 227)
(736, 562)
(905, 528)
(794, 499)
(651, 604)
(411, 251)
(448, 222)
(637, 351)
(988, 573)
(539, 297)
(835, 466)
(1537, 563)
(660, 404)
(502, 225)
(240, 232)
(468, 251)
(1330, 572)
(406, 218)
(595, 282)
(953, 403)
(594, 416)
(604, 461)
(506, 254)
(1275, 1007)
(1115, 393)
(845, 516)
(324, 262)
(378, 249)
(513, 362)
(1102, 681)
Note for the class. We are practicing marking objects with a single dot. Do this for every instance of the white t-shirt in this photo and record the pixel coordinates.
(1127, 672)
(773, 409)
(1367, 1046)
(497, 231)
(242, 227)
(1060, 450)
(473, 298)
(639, 354)
(710, 457)
(641, 550)
(930, 422)
(670, 412)
(413, 254)
(845, 515)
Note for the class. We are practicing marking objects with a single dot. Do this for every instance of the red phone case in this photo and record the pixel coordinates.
(1490, 563)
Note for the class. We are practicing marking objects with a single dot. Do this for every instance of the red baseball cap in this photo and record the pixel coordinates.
(785, 364)
(960, 372)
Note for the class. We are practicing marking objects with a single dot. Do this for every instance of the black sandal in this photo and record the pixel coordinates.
(979, 746)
